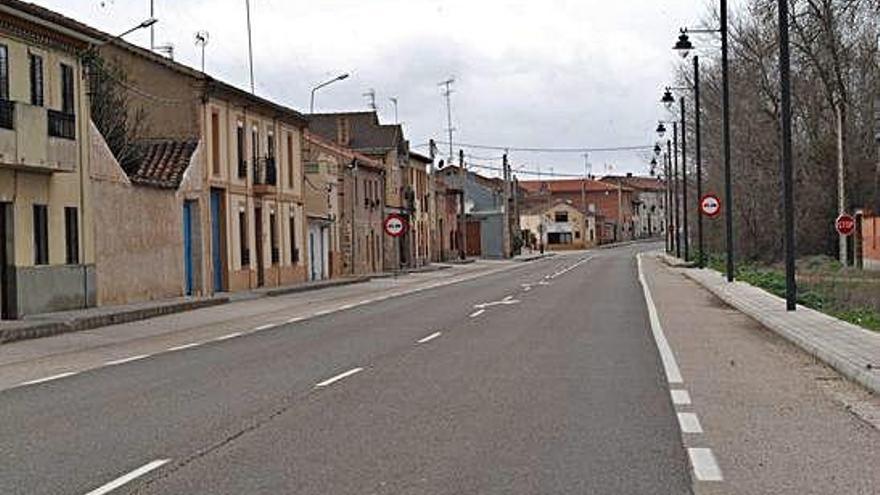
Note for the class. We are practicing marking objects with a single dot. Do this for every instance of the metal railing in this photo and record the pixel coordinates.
(265, 172)
(62, 125)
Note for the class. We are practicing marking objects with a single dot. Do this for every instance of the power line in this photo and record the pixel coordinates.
(552, 150)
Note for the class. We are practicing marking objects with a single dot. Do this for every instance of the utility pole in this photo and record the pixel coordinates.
(153, 27)
(584, 195)
(433, 214)
(463, 219)
(841, 179)
(448, 94)
(371, 95)
(202, 41)
(506, 231)
(247, 4)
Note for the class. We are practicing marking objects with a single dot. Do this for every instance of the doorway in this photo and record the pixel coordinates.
(258, 234)
(188, 262)
(7, 310)
(218, 239)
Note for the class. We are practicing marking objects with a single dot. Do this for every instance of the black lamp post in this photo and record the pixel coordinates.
(787, 181)
(684, 46)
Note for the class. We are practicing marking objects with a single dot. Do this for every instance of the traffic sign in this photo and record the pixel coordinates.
(710, 205)
(845, 224)
(395, 225)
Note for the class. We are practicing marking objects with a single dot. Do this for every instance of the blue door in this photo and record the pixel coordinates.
(216, 237)
(187, 246)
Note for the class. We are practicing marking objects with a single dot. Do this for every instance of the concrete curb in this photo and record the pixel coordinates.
(535, 257)
(35, 329)
(308, 287)
(852, 366)
(676, 262)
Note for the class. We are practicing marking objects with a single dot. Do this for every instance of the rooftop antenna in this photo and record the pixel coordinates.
(395, 102)
(447, 92)
(202, 38)
(152, 28)
(247, 4)
(371, 94)
(167, 49)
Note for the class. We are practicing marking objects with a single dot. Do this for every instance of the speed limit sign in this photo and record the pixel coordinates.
(395, 225)
(710, 205)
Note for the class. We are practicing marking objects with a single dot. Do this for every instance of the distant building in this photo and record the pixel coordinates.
(419, 207)
(484, 212)
(558, 226)
(649, 203)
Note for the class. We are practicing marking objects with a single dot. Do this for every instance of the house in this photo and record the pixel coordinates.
(363, 133)
(445, 233)
(611, 204)
(420, 223)
(484, 230)
(47, 251)
(649, 203)
(558, 226)
(324, 166)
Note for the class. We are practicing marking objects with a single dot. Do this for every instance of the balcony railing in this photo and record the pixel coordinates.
(265, 172)
(7, 114)
(62, 125)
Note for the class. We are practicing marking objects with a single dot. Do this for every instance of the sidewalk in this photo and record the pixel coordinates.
(851, 350)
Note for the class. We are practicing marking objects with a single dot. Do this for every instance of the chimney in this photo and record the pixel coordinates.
(629, 175)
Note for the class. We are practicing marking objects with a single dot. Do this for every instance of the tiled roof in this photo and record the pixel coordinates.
(163, 162)
(636, 182)
(367, 134)
(567, 186)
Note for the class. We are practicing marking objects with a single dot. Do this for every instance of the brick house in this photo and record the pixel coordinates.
(649, 203)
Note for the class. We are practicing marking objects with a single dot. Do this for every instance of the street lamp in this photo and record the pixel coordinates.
(326, 83)
(668, 100)
(661, 130)
(144, 25)
(684, 46)
(657, 150)
(787, 180)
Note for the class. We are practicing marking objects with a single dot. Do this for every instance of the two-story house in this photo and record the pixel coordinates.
(420, 240)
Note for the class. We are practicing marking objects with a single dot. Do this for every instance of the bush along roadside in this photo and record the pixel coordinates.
(832, 291)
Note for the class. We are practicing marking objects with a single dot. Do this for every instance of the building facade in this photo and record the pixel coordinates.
(649, 203)
(420, 210)
(558, 226)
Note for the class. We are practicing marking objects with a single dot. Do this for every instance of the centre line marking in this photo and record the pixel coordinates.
(341, 376)
(182, 347)
(49, 378)
(126, 360)
(704, 464)
(365, 301)
(477, 313)
(429, 338)
(264, 327)
(673, 374)
(689, 423)
(681, 397)
(122, 480)
(228, 337)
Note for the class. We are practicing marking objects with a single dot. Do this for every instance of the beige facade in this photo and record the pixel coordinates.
(420, 228)
(558, 226)
(324, 166)
(46, 242)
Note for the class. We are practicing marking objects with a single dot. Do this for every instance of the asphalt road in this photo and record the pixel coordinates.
(555, 386)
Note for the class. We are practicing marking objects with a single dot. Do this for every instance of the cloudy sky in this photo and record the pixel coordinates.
(551, 73)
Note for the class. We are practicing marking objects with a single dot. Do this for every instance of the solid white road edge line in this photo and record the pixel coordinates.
(228, 336)
(295, 319)
(126, 360)
(341, 376)
(689, 423)
(183, 347)
(704, 464)
(477, 313)
(429, 338)
(673, 374)
(122, 480)
(48, 379)
(265, 327)
(681, 397)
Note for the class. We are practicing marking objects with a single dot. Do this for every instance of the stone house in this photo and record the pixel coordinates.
(47, 250)
(444, 232)
(558, 226)
(649, 203)
(362, 132)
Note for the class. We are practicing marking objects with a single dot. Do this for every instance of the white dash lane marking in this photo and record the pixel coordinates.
(689, 423)
(295, 320)
(346, 306)
(48, 378)
(341, 376)
(122, 480)
(681, 397)
(264, 327)
(228, 337)
(508, 298)
(429, 338)
(365, 302)
(183, 347)
(126, 360)
(704, 464)
(477, 313)
(673, 374)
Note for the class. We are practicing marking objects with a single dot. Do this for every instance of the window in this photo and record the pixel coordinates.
(71, 235)
(294, 251)
(270, 145)
(243, 238)
(36, 80)
(4, 72)
(255, 145)
(239, 142)
(273, 239)
(290, 160)
(215, 143)
(41, 235)
(67, 103)
(561, 216)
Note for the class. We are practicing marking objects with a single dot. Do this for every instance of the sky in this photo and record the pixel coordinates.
(546, 74)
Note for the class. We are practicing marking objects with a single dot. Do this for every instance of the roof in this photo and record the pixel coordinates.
(420, 157)
(540, 207)
(636, 182)
(163, 162)
(367, 133)
(568, 186)
(91, 35)
(362, 159)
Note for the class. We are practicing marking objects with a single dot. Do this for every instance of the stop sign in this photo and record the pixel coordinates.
(845, 224)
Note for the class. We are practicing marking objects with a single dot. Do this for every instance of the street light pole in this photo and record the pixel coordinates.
(671, 192)
(675, 192)
(684, 181)
(787, 174)
(701, 260)
(725, 113)
(326, 83)
(668, 172)
(247, 5)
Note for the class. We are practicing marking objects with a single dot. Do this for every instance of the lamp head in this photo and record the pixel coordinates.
(683, 46)
(661, 130)
(668, 100)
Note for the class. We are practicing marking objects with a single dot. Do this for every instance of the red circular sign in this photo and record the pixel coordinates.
(710, 205)
(396, 225)
(845, 224)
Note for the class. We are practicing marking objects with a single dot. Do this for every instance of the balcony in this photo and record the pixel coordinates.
(265, 176)
(35, 139)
